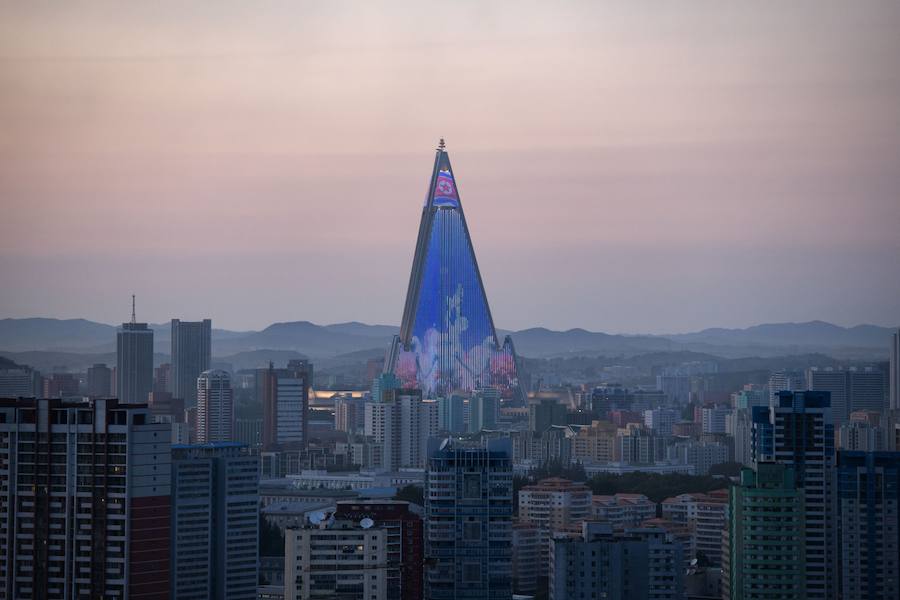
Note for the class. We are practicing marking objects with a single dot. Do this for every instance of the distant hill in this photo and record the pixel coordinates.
(58, 338)
(813, 336)
(53, 334)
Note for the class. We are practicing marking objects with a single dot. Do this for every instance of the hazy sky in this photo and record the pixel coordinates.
(624, 166)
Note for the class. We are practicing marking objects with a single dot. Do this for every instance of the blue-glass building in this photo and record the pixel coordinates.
(447, 340)
(869, 524)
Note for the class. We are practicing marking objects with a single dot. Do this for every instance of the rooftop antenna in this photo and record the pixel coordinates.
(441, 145)
(133, 318)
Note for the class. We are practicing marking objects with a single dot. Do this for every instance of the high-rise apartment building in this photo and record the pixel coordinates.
(350, 414)
(869, 524)
(335, 558)
(553, 505)
(404, 530)
(215, 407)
(468, 516)
(894, 368)
(99, 381)
(526, 557)
(452, 414)
(215, 522)
(402, 423)
(661, 420)
(447, 339)
(284, 395)
(766, 551)
(637, 564)
(191, 355)
(134, 362)
(797, 431)
(85, 501)
(484, 408)
(707, 517)
(785, 381)
(713, 419)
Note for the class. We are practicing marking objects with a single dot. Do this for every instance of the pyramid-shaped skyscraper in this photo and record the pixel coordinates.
(447, 342)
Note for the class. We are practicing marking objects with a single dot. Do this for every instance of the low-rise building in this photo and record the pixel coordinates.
(335, 558)
(623, 510)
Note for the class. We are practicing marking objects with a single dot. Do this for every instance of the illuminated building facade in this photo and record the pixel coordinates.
(447, 340)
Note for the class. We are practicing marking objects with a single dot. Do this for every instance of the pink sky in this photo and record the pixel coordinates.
(625, 167)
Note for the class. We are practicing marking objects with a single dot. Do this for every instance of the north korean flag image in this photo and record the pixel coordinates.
(444, 190)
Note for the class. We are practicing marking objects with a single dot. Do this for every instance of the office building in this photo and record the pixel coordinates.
(99, 381)
(215, 522)
(609, 397)
(335, 558)
(285, 400)
(86, 516)
(215, 407)
(134, 362)
(851, 390)
(544, 413)
(553, 505)
(248, 432)
(765, 556)
(162, 378)
(404, 532)
(785, 381)
(191, 352)
(637, 564)
(20, 382)
(484, 408)
(468, 512)
(797, 431)
(869, 529)
(402, 423)
(447, 339)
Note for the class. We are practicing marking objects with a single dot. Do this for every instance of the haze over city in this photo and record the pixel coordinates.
(626, 168)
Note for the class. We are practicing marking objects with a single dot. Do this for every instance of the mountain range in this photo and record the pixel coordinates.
(64, 341)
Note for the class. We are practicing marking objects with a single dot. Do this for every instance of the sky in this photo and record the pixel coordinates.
(629, 167)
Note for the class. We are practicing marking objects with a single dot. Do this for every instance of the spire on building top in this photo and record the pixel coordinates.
(133, 317)
(441, 145)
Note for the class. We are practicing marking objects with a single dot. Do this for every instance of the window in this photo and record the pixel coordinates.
(472, 572)
(472, 485)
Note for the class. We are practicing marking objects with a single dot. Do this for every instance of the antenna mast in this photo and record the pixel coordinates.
(133, 318)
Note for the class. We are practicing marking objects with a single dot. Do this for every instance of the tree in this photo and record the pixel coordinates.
(729, 469)
(271, 538)
(411, 493)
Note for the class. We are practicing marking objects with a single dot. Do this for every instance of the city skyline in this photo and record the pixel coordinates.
(689, 159)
